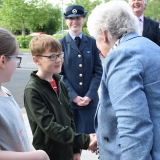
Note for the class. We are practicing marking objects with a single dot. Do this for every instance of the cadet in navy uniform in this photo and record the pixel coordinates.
(82, 69)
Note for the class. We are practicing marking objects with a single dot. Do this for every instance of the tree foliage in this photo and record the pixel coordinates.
(53, 23)
(21, 14)
(40, 15)
(153, 10)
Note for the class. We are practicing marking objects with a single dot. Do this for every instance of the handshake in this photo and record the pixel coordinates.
(93, 143)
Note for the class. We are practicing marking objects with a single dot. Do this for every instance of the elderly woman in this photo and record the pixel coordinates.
(127, 120)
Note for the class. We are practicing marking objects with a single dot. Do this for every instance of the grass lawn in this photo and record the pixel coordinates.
(24, 49)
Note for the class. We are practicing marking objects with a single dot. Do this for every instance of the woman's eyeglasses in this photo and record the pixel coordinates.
(18, 59)
(53, 57)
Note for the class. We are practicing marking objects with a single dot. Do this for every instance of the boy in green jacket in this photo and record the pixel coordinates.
(47, 104)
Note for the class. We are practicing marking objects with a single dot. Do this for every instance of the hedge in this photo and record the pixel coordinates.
(23, 41)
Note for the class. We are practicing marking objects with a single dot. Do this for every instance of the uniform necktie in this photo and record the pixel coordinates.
(78, 41)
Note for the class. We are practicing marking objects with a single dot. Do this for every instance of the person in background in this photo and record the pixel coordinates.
(127, 119)
(47, 104)
(149, 28)
(82, 69)
(14, 142)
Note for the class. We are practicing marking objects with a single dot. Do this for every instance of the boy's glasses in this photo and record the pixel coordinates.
(54, 56)
(18, 59)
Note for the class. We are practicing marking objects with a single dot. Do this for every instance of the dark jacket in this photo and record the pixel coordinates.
(82, 69)
(151, 30)
(51, 120)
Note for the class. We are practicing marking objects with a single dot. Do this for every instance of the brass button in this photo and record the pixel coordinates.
(80, 83)
(79, 56)
(80, 75)
(80, 65)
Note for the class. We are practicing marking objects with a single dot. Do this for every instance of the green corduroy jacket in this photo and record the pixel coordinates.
(51, 120)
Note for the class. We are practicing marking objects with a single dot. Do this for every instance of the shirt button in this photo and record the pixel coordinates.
(80, 83)
(80, 75)
(79, 56)
(80, 65)
(106, 139)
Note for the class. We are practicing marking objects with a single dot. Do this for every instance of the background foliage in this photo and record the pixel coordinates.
(25, 16)
(153, 10)
(31, 14)
(23, 41)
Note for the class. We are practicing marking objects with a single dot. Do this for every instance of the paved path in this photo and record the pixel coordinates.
(86, 155)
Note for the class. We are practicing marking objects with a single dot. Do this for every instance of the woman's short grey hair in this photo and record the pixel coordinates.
(115, 18)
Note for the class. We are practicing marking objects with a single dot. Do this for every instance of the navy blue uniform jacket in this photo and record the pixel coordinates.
(151, 30)
(82, 69)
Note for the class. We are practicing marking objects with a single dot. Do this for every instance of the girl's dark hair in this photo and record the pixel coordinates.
(8, 43)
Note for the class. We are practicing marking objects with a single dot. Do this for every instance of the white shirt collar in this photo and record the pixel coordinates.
(73, 36)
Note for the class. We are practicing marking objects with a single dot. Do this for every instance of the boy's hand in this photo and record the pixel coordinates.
(76, 156)
(93, 143)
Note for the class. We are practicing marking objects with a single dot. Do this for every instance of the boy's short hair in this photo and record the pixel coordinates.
(42, 43)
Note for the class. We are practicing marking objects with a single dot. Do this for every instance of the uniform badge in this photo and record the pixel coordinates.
(74, 11)
(88, 52)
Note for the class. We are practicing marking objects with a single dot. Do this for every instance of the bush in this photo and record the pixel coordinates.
(58, 36)
(23, 41)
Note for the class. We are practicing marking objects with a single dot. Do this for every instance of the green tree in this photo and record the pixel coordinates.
(153, 10)
(53, 23)
(21, 14)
